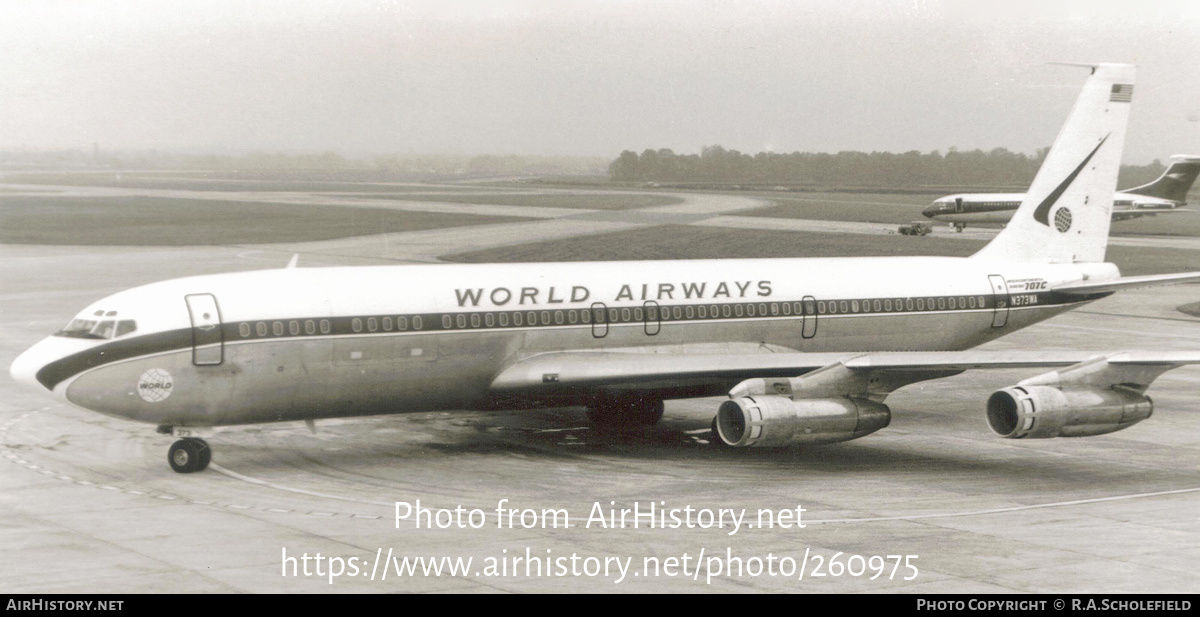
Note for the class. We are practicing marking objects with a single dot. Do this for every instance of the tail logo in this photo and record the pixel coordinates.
(1042, 213)
(1062, 220)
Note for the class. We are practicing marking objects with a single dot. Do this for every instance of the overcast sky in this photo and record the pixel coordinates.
(584, 77)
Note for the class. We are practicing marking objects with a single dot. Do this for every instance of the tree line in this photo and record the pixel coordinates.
(848, 169)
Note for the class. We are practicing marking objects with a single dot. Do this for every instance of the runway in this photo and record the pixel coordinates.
(88, 503)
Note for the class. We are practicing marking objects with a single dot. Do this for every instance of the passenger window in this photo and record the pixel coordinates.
(972, 301)
(920, 304)
(726, 310)
(243, 329)
(854, 306)
(833, 308)
(489, 319)
(531, 318)
(878, 306)
(475, 320)
(294, 327)
(750, 310)
(261, 328)
(774, 308)
(887, 305)
(908, 304)
(418, 323)
(762, 309)
(401, 323)
(277, 328)
(461, 320)
(738, 310)
(387, 324)
(843, 307)
(324, 326)
(372, 324)
(558, 317)
(447, 322)
(356, 325)
(545, 318)
(624, 314)
(310, 327)
(518, 319)
(701, 310)
(573, 316)
(637, 314)
(677, 312)
(941, 303)
(690, 311)
(953, 303)
(982, 302)
(503, 319)
(585, 316)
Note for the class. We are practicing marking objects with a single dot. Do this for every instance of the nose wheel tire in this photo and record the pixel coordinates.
(189, 455)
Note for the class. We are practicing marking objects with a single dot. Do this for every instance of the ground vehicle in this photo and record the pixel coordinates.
(916, 228)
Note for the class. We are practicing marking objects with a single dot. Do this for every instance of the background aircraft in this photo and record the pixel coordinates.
(1166, 194)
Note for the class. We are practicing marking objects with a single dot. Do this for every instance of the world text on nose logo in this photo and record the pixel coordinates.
(155, 385)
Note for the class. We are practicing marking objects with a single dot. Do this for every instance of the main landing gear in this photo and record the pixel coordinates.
(625, 412)
(189, 454)
(958, 227)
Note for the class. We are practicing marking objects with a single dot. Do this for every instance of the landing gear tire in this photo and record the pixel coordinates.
(959, 227)
(189, 455)
(625, 412)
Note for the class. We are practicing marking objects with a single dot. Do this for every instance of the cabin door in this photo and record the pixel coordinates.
(208, 342)
(1000, 301)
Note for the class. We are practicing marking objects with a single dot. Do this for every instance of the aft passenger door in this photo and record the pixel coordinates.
(208, 342)
(1000, 298)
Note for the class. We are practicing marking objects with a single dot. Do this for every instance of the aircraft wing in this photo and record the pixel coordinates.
(659, 368)
(1083, 288)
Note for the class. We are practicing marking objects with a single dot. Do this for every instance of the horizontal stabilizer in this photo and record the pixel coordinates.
(1083, 288)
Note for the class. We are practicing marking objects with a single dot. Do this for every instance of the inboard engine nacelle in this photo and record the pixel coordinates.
(773, 421)
(1035, 412)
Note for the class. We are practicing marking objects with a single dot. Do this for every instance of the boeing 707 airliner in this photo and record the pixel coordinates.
(807, 350)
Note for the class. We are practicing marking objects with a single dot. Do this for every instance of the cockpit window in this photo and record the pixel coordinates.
(97, 329)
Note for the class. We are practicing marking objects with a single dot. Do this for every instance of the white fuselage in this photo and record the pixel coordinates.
(327, 342)
(998, 208)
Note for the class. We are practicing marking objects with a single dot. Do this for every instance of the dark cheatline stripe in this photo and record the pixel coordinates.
(60, 370)
(65, 368)
(1042, 214)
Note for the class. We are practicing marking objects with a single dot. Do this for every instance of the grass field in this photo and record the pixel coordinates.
(687, 242)
(179, 222)
(200, 182)
(586, 201)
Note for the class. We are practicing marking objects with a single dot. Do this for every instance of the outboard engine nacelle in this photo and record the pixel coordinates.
(774, 421)
(1034, 412)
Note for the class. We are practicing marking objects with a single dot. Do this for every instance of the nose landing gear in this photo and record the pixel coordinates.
(189, 455)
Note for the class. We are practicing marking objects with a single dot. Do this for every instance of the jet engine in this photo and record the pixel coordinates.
(774, 421)
(1036, 412)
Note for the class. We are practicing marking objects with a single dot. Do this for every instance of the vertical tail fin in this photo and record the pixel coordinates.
(1175, 182)
(1066, 213)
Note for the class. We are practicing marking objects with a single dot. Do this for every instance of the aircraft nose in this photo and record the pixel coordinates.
(930, 211)
(25, 368)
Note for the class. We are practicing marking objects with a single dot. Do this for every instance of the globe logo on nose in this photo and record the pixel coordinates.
(155, 385)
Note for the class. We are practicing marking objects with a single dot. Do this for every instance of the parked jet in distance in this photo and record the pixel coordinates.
(806, 349)
(1165, 195)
